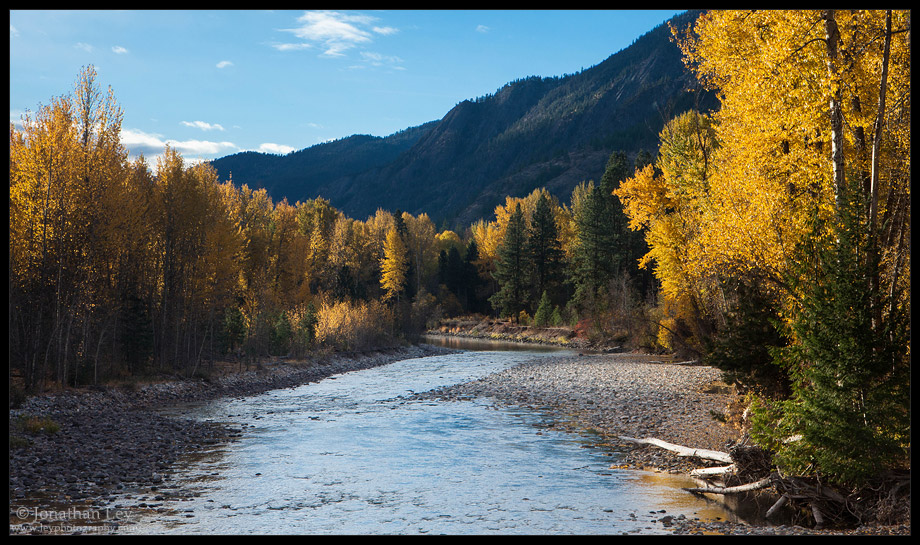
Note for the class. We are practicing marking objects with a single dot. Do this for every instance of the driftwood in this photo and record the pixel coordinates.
(824, 502)
(707, 472)
(705, 454)
(750, 487)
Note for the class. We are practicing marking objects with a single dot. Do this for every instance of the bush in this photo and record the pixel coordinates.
(354, 326)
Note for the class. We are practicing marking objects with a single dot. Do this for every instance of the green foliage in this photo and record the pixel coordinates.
(545, 252)
(35, 425)
(234, 330)
(743, 347)
(602, 249)
(511, 268)
(544, 314)
(849, 413)
(281, 334)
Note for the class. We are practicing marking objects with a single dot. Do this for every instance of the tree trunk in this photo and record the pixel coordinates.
(832, 36)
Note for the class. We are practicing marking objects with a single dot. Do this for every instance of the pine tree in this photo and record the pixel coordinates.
(545, 252)
(511, 268)
(850, 406)
(600, 225)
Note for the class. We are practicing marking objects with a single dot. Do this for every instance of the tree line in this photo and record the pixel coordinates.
(118, 269)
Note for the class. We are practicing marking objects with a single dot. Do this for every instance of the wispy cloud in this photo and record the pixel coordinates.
(334, 32)
(377, 59)
(224, 64)
(119, 50)
(291, 47)
(84, 46)
(203, 125)
(13, 31)
(482, 29)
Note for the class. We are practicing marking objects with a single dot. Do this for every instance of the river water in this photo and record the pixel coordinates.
(354, 454)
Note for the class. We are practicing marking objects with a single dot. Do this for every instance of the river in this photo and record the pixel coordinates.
(356, 454)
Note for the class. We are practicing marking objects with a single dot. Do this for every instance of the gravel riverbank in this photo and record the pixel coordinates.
(637, 396)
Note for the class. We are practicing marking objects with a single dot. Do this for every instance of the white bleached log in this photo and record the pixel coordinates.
(757, 485)
(705, 454)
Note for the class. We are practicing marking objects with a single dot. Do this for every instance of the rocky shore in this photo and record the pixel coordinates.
(638, 396)
(81, 447)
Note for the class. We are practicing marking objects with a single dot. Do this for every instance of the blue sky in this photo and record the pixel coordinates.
(212, 83)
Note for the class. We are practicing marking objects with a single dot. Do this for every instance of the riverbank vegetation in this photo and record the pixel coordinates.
(770, 238)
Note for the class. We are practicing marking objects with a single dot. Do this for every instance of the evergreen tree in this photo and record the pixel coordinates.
(511, 268)
(545, 252)
(848, 418)
(544, 314)
(601, 225)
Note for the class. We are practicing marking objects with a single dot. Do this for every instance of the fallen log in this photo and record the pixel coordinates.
(705, 454)
(757, 485)
(776, 507)
(705, 472)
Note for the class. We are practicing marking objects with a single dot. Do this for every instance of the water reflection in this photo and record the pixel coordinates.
(473, 343)
(357, 455)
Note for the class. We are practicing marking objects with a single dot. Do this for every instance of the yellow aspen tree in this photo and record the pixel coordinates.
(394, 265)
(800, 94)
(668, 200)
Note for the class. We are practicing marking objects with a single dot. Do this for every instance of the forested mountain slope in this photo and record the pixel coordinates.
(534, 132)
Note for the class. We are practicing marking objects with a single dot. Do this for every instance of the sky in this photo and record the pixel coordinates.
(216, 82)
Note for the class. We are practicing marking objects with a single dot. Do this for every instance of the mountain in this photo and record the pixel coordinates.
(534, 132)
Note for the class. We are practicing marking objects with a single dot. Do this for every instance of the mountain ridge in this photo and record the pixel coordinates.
(552, 132)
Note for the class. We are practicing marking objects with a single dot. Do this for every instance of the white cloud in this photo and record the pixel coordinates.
(150, 145)
(334, 32)
(224, 64)
(119, 50)
(13, 31)
(482, 29)
(200, 147)
(279, 149)
(85, 47)
(203, 125)
(139, 142)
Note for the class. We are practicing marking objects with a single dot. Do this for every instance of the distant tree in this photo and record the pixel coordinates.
(544, 313)
(545, 252)
(511, 268)
(600, 226)
(394, 265)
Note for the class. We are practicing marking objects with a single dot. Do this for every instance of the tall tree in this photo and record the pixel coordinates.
(545, 253)
(511, 268)
(600, 252)
(666, 201)
(394, 265)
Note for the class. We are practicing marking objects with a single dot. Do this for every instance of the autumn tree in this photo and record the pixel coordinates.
(666, 201)
(394, 265)
(814, 147)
